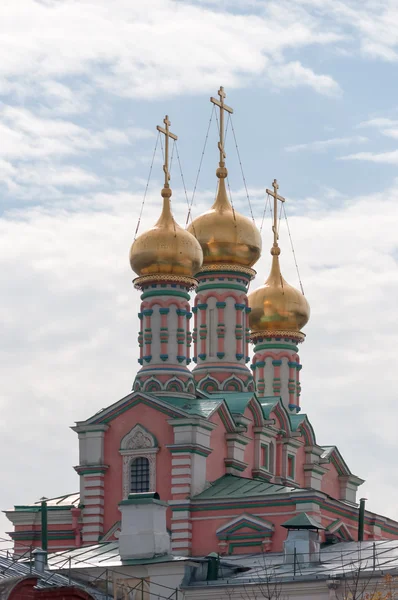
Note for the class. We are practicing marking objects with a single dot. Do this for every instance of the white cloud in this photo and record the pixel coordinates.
(50, 42)
(294, 74)
(69, 328)
(390, 133)
(379, 122)
(26, 135)
(35, 151)
(68, 309)
(389, 158)
(61, 99)
(373, 24)
(322, 145)
(48, 175)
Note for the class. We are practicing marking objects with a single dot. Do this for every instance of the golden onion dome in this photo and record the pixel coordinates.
(167, 248)
(224, 234)
(277, 306)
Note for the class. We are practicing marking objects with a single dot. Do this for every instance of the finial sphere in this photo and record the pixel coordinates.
(225, 235)
(166, 192)
(167, 248)
(222, 172)
(276, 305)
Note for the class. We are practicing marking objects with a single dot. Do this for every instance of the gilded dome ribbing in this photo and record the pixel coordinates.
(224, 235)
(167, 248)
(277, 306)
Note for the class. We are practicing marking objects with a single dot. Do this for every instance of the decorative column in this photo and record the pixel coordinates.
(166, 312)
(91, 470)
(279, 312)
(221, 312)
(231, 245)
(189, 452)
(276, 366)
(165, 258)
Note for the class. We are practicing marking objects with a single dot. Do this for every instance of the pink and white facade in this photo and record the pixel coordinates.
(221, 329)
(225, 444)
(232, 463)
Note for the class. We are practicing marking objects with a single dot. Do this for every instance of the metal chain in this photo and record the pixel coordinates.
(241, 169)
(182, 175)
(229, 188)
(172, 154)
(265, 210)
(171, 162)
(146, 188)
(280, 217)
(189, 215)
(161, 145)
(226, 127)
(293, 252)
(230, 199)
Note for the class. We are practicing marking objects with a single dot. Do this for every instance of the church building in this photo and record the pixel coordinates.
(219, 434)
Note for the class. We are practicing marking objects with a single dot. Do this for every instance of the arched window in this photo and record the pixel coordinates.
(139, 475)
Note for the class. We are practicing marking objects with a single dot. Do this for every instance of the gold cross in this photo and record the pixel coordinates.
(168, 135)
(223, 107)
(276, 197)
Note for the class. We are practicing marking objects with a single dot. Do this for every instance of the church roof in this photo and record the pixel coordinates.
(302, 521)
(342, 560)
(59, 502)
(236, 402)
(203, 407)
(103, 554)
(232, 486)
(268, 403)
(12, 571)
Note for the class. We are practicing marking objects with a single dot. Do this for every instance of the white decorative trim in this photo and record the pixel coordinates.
(181, 490)
(138, 443)
(233, 379)
(94, 492)
(183, 525)
(137, 439)
(175, 472)
(175, 545)
(178, 480)
(243, 518)
(181, 535)
(128, 459)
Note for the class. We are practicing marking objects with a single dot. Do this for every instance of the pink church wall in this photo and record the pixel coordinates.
(53, 545)
(215, 466)
(156, 423)
(249, 450)
(300, 460)
(203, 545)
(330, 482)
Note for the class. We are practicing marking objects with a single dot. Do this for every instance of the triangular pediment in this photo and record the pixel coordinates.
(339, 530)
(106, 415)
(331, 454)
(113, 533)
(243, 526)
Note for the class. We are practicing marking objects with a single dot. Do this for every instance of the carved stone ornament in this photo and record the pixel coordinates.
(128, 459)
(138, 438)
(138, 443)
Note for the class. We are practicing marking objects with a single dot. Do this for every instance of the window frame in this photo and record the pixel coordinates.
(138, 442)
(142, 475)
(291, 460)
(265, 457)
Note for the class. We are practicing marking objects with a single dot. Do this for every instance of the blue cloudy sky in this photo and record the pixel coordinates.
(83, 85)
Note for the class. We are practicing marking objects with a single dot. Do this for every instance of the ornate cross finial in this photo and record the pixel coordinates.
(223, 107)
(276, 197)
(167, 134)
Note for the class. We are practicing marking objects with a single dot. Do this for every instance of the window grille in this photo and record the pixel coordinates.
(139, 475)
